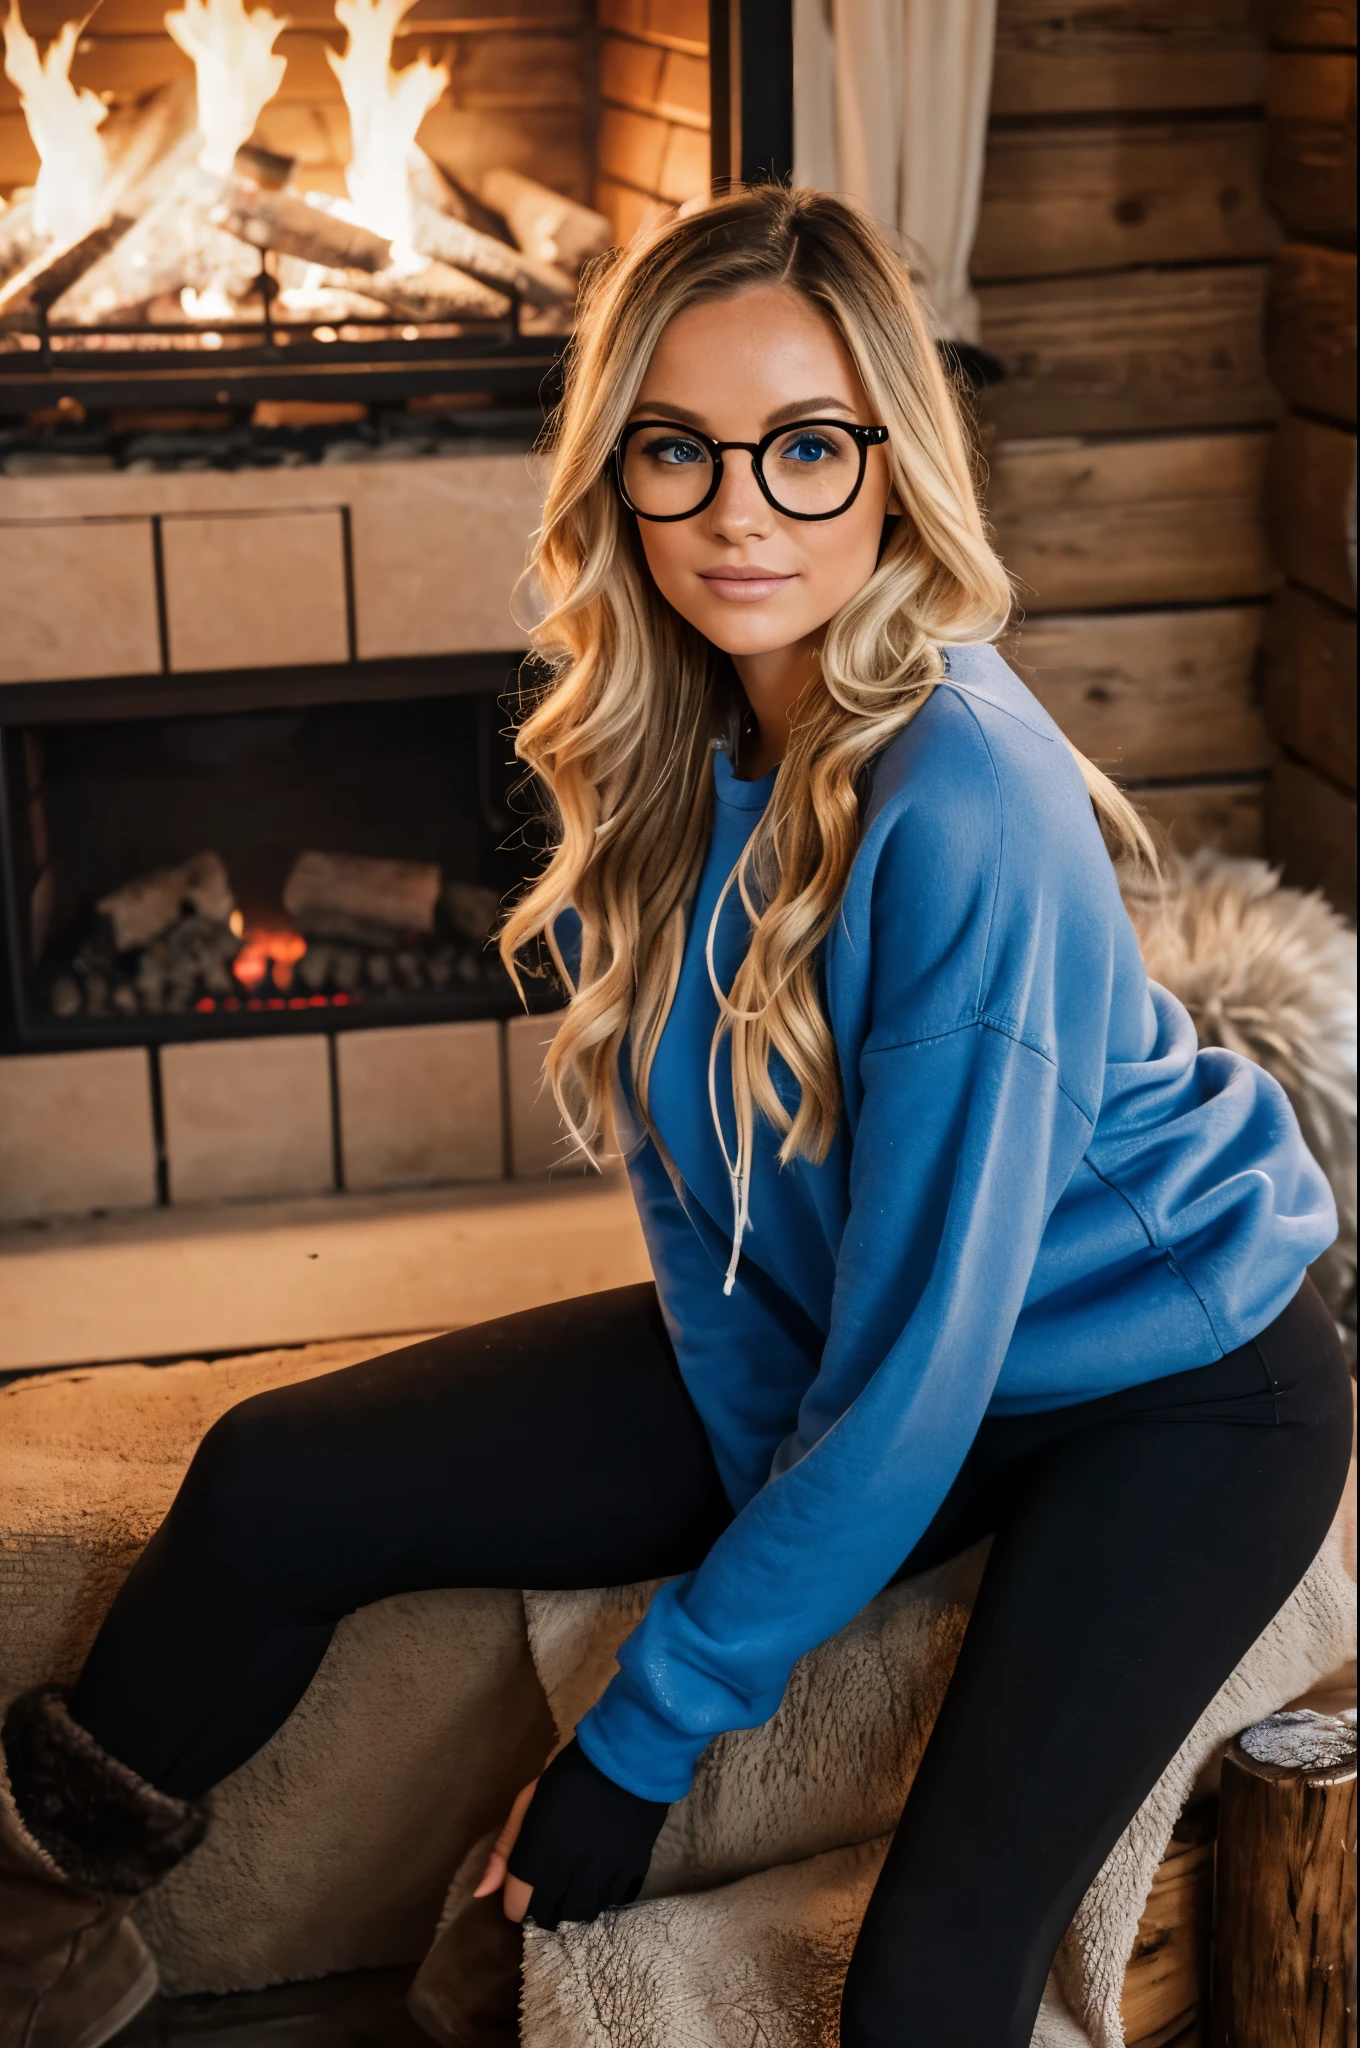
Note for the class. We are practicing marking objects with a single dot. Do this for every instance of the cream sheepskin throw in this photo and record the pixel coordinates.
(761, 1876)
(1268, 972)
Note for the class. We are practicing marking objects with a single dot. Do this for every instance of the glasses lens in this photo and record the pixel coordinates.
(666, 472)
(812, 469)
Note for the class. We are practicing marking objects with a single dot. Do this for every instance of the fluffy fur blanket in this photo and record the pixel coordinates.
(761, 1876)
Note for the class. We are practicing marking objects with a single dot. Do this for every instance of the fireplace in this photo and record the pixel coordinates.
(185, 874)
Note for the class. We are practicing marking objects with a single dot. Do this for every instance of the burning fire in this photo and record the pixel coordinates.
(386, 107)
(265, 948)
(236, 70)
(63, 121)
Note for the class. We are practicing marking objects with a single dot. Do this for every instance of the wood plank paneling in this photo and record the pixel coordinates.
(1312, 831)
(1312, 24)
(1310, 329)
(1310, 146)
(1151, 694)
(1126, 56)
(1310, 682)
(1062, 199)
(1172, 520)
(1227, 815)
(1142, 350)
(1310, 507)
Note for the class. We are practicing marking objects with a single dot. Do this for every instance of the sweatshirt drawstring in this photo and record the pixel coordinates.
(738, 1168)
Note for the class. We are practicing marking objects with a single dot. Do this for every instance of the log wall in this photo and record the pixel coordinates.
(1124, 262)
(522, 92)
(1310, 351)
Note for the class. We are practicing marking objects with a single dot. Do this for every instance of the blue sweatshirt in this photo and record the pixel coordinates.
(1041, 1191)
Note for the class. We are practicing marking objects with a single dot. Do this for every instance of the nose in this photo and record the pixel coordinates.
(740, 511)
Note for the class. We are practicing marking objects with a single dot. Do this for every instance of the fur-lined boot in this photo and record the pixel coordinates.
(81, 1836)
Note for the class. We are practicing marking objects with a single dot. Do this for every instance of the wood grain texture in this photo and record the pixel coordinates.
(1310, 682)
(1061, 199)
(1311, 832)
(1310, 145)
(1312, 24)
(1172, 520)
(1166, 1981)
(1129, 55)
(1142, 350)
(1156, 694)
(1227, 815)
(1310, 329)
(1284, 1932)
(1310, 507)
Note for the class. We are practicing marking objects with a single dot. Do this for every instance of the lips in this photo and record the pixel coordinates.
(745, 586)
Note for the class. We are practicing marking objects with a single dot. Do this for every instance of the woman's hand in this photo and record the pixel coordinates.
(574, 1845)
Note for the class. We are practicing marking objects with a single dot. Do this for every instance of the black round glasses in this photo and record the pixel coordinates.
(811, 469)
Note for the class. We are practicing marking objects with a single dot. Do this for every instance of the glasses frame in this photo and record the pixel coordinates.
(864, 438)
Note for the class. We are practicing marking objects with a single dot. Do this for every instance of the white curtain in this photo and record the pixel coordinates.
(890, 106)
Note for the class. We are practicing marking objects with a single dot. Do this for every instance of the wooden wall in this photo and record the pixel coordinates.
(1310, 347)
(652, 144)
(1123, 262)
(522, 91)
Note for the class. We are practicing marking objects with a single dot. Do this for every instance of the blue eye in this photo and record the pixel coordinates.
(809, 448)
(676, 452)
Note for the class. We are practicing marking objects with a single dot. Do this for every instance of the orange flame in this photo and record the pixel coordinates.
(267, 948)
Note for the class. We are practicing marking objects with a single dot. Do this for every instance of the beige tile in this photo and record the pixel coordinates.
(79, 600)
(259, 590)
(438, 549)
(247, 1118)
(539, 1142)
(76, 1133)
(421, 1105)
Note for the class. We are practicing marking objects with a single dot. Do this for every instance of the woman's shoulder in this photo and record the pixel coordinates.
(983, 767)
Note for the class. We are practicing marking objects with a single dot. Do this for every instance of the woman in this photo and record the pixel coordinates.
(954, 1230)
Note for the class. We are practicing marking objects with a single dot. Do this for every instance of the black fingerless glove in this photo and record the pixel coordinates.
(585, 1843)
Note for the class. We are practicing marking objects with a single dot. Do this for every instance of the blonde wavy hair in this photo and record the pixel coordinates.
(619, 739)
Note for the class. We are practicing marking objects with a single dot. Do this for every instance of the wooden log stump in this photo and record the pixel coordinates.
(1284, 1910)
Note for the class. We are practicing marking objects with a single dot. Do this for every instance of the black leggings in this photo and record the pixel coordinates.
(1142, 1542)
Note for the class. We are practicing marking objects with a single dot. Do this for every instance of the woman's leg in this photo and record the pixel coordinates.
(1142, 1544)
(552, 1448)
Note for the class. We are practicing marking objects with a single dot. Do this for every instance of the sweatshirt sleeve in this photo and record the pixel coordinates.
(964, 1142)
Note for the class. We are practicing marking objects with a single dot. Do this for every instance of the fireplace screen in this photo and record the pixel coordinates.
(271, 869)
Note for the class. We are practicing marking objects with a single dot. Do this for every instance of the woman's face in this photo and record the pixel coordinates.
(752, 580)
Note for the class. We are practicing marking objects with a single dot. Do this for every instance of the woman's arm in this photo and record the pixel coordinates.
(964, 1143)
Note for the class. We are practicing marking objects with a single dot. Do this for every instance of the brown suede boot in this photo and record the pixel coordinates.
(80, 1837)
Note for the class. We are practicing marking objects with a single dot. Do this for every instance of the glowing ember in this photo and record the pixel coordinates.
(264, 949)
(386, 107)
(236, 69)
(62, 121)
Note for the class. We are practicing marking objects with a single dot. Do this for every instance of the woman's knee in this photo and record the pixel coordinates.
(242, 1484)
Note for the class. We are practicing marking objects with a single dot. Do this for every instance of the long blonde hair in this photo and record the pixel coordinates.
(620, 738)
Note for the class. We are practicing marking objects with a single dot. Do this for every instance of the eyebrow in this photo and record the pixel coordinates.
(801, 409)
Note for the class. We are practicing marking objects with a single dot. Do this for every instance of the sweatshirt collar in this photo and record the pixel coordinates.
(740, 796)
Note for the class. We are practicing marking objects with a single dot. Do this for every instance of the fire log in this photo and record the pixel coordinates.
(494, 263)
(54, 270)
(371, 902)
(149, 904)
(279, 220)
(270, 219)
(1284, 1919)
(546, 225)
(174, 244)
(19, 242)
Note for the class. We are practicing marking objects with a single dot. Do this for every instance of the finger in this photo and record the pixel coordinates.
(493, 1877)
(515, 1903)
